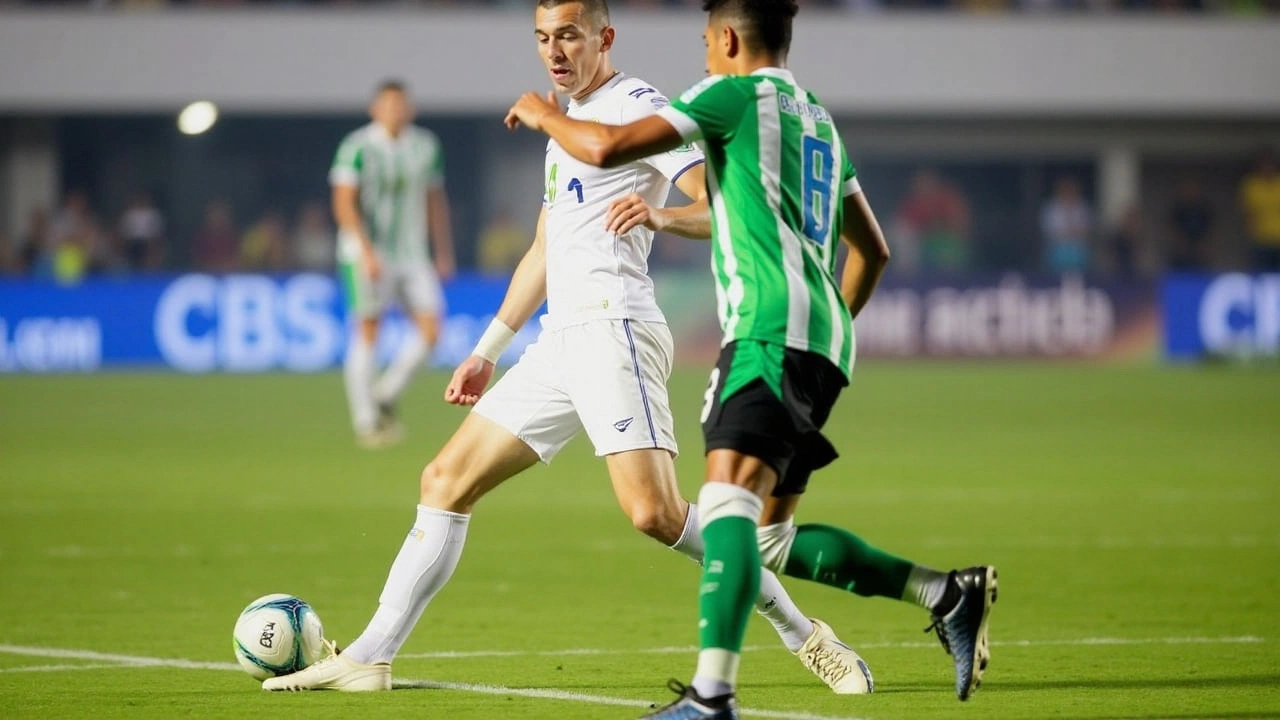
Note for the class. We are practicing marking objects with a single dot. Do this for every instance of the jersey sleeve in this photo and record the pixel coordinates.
(711, 109)
(849, 184)
(643, 102)
(346, 164)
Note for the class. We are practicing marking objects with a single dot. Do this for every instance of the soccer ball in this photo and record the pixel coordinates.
(276, 635)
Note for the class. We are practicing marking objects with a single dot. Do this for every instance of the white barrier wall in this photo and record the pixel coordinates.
(293, 60)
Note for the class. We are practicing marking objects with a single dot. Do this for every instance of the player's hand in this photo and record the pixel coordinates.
(530, 109)
(372, 265)
(632, 211)
(469, 381)
(445, 269)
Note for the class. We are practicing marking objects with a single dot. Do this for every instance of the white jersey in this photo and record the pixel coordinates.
(591, 272)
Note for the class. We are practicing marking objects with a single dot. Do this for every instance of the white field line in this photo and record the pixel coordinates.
(594, 699)
(131, 660)
(677, 650)
(137, 661)
(65, 668)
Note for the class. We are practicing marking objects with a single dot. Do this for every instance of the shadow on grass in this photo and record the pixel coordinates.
(1241, 715)
(1170, 683)
(1184, 683)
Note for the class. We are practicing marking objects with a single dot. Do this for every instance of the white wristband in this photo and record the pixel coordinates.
(494, 341)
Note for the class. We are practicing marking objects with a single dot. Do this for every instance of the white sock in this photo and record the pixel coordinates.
(773, 602)
(780, 610)
(425, 563)
(413, 352)
(925, 587)
(713, 665)
(358, 371)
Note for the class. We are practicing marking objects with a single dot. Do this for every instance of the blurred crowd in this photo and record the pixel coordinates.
(930, 228)
(1238, 7)
(76, 240)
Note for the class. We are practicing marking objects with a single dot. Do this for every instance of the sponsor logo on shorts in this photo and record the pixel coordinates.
(623, 424)
(417, 534)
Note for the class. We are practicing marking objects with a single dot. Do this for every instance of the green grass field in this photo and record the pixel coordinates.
(1134, 515)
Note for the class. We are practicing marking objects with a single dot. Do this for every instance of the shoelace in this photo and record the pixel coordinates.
(939, 627)
(677, 687)
(331, 651)
(827, 664)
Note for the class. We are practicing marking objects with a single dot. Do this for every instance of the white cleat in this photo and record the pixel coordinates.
(335, 672)
(834, 662)
(379, 438)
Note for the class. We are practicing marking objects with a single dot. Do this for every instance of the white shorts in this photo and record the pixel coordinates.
(414, 286)
(608, 377)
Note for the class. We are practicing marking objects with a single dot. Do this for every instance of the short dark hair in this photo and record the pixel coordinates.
(596, 10)
(765, 25)
(391, 85)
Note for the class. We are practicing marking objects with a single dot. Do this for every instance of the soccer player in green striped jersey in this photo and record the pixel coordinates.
(389, 201)
(782, 192)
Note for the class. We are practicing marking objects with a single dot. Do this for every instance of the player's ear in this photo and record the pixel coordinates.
(730, 42)
(606, 38)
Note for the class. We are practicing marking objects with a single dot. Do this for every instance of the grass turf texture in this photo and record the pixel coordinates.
(139, 513)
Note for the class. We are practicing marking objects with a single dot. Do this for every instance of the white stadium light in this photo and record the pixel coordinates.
(197, 117)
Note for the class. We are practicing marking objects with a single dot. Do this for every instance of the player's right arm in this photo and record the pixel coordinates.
(346, 212)
(868, 252)
(525, 294)
(344, 176)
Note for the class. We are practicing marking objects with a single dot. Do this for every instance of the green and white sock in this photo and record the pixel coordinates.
(730, 582)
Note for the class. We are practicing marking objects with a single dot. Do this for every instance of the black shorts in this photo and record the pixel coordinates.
(782, 427)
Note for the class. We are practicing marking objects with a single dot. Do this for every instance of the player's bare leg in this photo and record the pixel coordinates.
(410, 357)
(359, 369)
(478, 458)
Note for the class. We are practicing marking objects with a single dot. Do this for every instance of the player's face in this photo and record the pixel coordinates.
(391, 109)
(717, 58)
(570, 47)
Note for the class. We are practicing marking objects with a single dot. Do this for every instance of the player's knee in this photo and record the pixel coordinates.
(657, 521)
(775, 544)
(443, 486)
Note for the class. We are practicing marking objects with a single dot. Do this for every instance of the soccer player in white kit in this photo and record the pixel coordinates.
(389, 200)
(600, 364)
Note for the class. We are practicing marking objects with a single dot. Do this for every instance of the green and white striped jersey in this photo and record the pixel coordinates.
(777, 174)
(393, 176)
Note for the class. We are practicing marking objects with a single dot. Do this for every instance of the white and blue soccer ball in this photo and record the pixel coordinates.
(277, 634)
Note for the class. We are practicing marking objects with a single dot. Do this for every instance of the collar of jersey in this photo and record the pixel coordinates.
(617, 78)
(381, 135)
(776, 72)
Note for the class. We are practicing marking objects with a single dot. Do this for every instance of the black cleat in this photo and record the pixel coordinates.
(692, 706)
(962, 627)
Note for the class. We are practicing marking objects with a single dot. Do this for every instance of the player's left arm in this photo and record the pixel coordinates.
(441, 231)
(868, 252)
(439, 223)
(690, 221)
(596, 144)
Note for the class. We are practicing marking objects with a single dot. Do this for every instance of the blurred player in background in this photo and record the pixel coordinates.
(782, 190)
(389, 201)
(600, 364)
